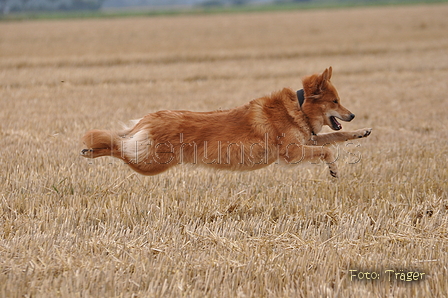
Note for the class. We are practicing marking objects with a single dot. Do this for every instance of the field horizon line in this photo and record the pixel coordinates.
(129, 12)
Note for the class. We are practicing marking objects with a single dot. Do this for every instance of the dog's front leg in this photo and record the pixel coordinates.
(338, 137)
(296, 154)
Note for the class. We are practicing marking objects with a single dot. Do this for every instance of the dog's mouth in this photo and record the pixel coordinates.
(335, 125)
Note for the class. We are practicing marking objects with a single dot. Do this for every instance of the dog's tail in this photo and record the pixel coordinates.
(101, 143)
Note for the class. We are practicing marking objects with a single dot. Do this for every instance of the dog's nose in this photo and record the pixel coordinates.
(351, 117)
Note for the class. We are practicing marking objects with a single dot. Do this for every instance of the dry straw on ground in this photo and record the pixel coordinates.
(69, 228)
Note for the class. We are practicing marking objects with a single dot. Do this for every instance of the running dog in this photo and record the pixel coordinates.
(283, 127)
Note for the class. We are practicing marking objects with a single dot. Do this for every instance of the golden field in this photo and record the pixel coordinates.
(72, 227)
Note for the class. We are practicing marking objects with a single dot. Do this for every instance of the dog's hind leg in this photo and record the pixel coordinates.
(133, 150)
(100, 143)
(338, 137)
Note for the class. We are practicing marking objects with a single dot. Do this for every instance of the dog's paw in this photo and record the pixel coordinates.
(362, 133)
(86, 152)
(334, 174)
(333, 170)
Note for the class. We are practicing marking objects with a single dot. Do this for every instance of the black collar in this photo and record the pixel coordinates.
(301, 97)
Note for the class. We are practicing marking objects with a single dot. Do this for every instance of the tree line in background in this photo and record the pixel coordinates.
(9, 6)
(12, 6)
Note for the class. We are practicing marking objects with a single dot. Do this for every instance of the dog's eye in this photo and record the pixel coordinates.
(335, 101)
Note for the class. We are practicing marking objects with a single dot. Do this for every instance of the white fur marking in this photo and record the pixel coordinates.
(136, 147)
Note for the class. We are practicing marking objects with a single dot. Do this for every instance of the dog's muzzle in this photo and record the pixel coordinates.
(335, 125)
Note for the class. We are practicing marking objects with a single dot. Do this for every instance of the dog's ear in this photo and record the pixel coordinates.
(315, 84)
(312, 85)
(322, 81)
(324, 78)
(326, 75)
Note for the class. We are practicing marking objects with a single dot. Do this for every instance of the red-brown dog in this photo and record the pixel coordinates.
(282, 127)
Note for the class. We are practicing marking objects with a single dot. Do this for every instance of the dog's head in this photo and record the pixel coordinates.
(322, 104)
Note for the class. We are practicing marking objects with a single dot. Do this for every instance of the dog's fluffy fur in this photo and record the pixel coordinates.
(270, 129)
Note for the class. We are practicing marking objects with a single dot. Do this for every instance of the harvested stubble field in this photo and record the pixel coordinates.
(70, 227)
